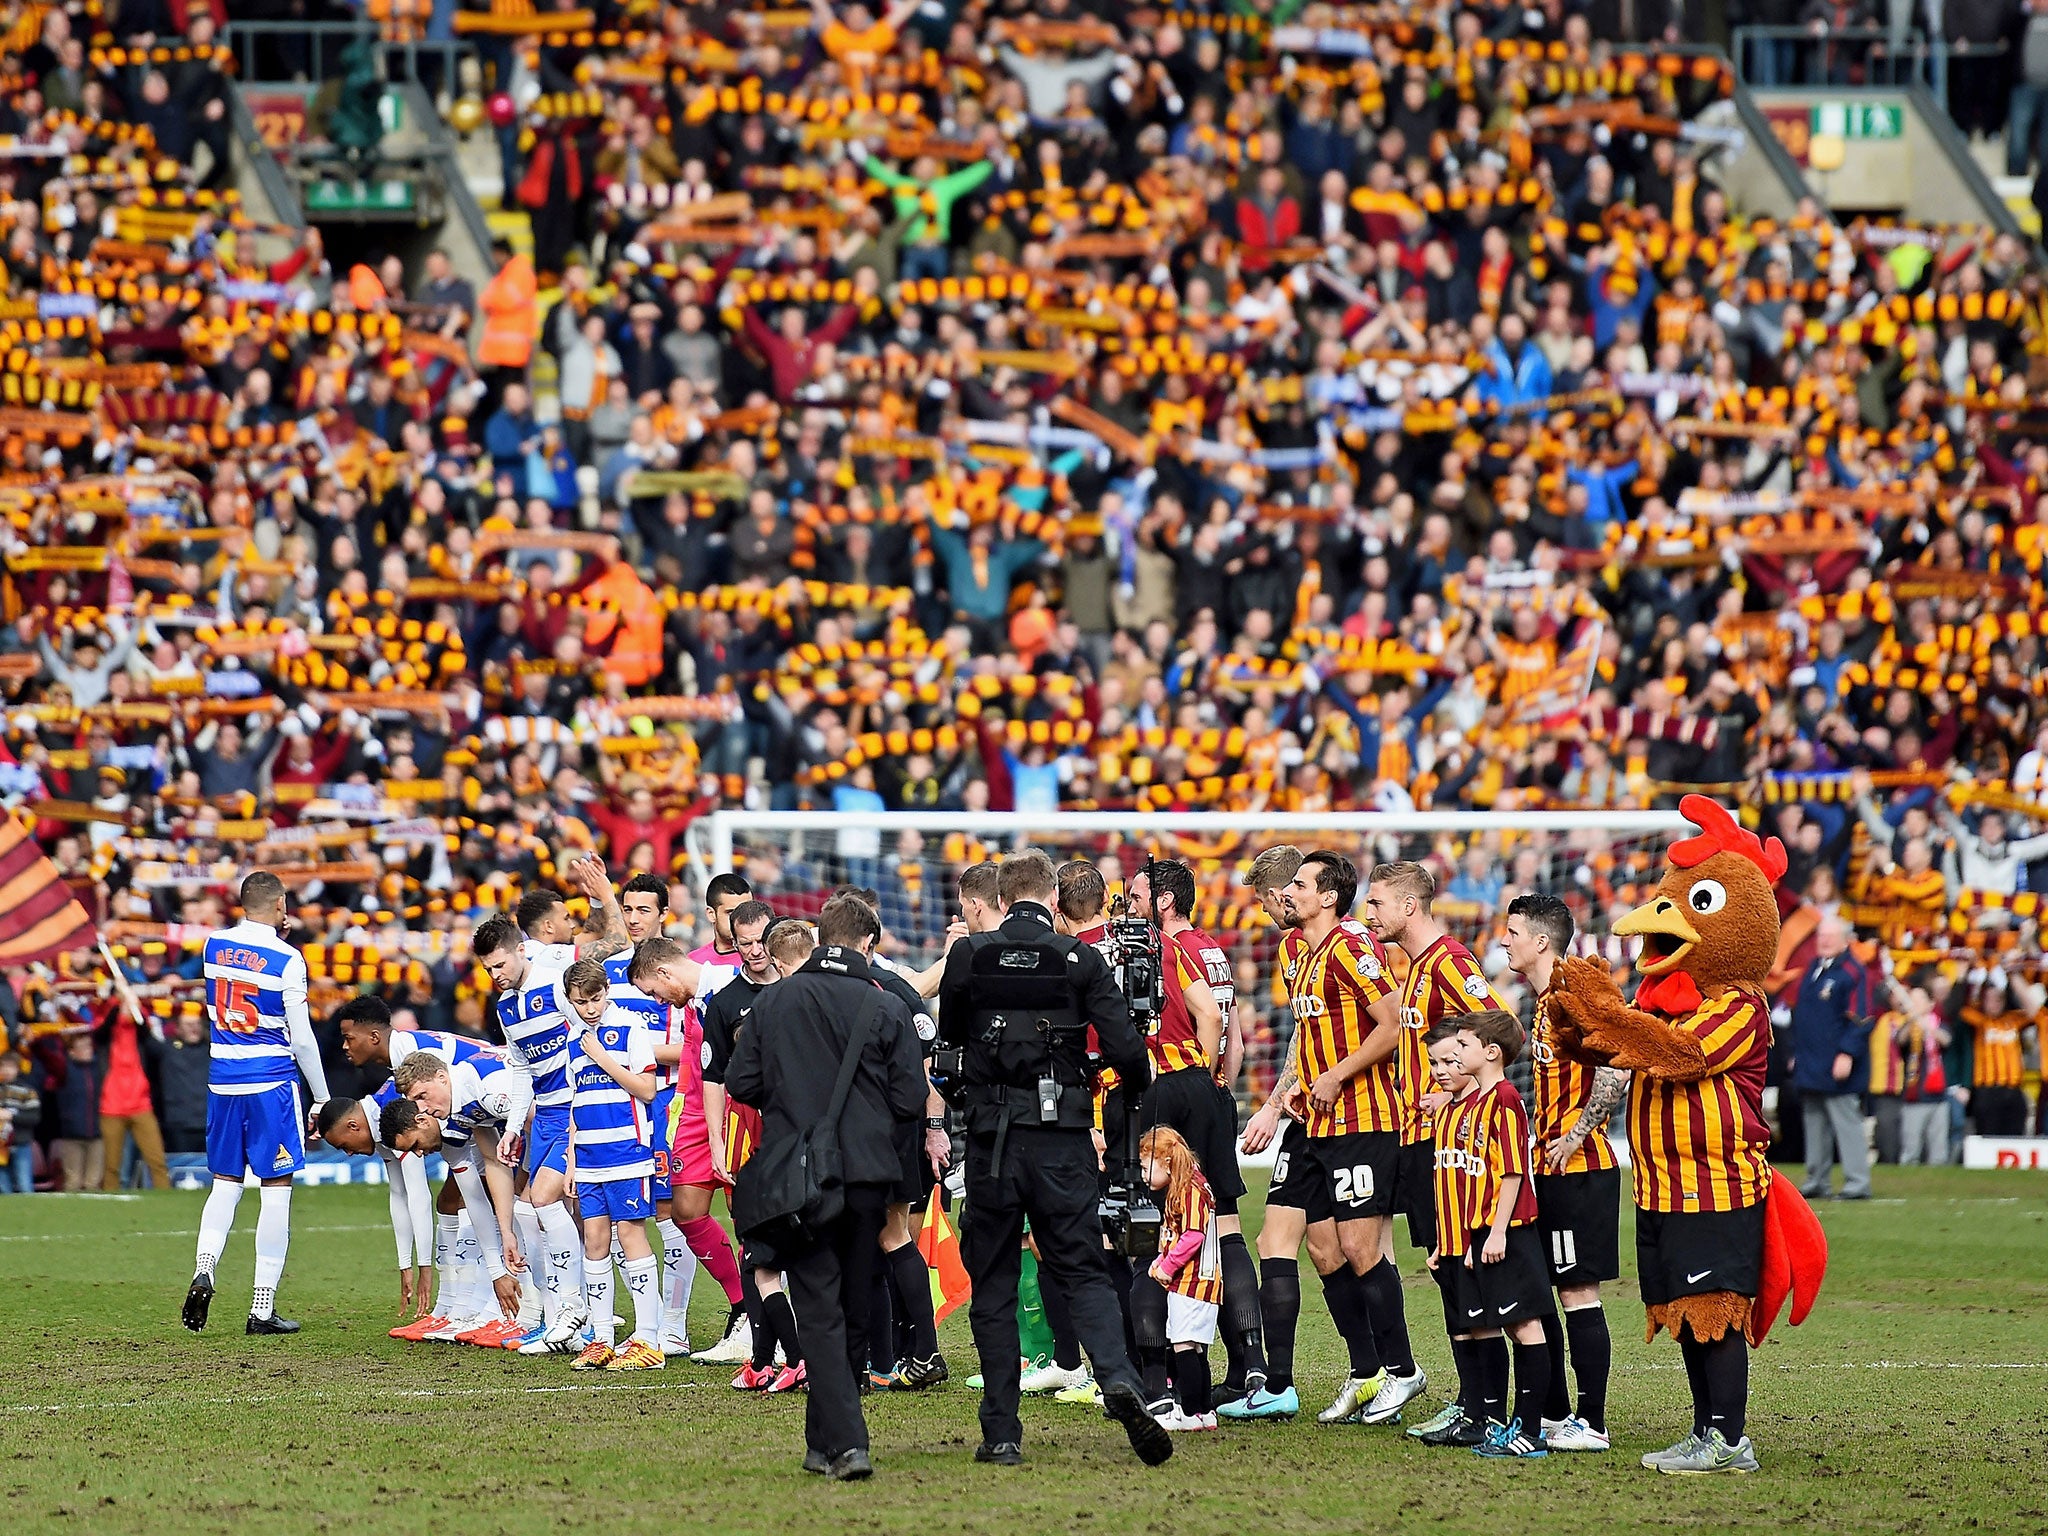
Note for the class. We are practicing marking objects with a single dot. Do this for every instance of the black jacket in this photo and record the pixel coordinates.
(1100, 1004)
(785, 1064)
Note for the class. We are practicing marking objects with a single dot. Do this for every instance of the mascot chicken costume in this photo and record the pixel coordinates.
(1721, 1240)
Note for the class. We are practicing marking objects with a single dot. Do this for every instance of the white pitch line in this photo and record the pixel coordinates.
(193, 1231)
(1874, 1365)
(108, 1196)
(416, 1393)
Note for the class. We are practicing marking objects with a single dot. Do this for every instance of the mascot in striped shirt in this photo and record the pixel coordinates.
(1721, 1241)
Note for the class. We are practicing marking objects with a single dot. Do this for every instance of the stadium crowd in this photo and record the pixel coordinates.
(998, 408)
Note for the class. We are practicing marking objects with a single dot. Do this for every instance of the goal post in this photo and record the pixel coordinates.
(1600, 863)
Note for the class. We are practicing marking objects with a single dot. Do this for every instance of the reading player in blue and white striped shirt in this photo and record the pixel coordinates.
(369, 1041)
(611, 1145)
(262, 1037)
(463, 1111)
(531, 1013)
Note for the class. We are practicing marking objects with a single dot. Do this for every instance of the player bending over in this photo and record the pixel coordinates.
(463, 1110)
(369, 1041)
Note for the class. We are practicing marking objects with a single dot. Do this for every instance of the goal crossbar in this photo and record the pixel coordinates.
(714, 852)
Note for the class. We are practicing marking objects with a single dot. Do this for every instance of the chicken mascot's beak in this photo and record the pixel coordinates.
(1667, 937)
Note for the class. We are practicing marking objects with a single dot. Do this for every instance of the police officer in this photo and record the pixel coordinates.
(1018, 1003)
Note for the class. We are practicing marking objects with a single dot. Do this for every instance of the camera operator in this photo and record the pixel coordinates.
(1018, 1003)
(1190, 1054)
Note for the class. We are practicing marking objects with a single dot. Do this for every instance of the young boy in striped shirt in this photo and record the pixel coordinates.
(1504, 1273)
(611, 1157)
(1461, 1423)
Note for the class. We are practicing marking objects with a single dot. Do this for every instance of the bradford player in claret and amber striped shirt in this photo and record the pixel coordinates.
(1194, 1029)
(1294, 1210)
(1578, 1180)
(1346, 1038)
(1443, 981)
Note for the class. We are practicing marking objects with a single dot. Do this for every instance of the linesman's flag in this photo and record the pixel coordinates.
(40, 918)
(939, 1242)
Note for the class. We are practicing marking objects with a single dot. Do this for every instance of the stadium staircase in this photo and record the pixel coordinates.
(408, 193)
(1886, 150)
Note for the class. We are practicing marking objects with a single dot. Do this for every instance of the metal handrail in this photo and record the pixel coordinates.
(1771, 147)
(1783, 167)
(246, 35)
(277, 187)
(459, 198)
(1900, 58)
(1963, 166)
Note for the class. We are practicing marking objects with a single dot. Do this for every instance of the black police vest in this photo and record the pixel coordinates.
(1027, 1020)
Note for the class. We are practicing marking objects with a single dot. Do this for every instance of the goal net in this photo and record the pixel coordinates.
(1599, 863)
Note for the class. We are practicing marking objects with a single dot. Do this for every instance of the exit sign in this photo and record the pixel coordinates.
(1859, 119)
(390, 195)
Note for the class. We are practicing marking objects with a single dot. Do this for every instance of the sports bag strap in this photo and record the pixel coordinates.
(856, 1042)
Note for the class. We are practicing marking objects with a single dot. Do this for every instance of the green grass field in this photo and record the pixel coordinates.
(1913, 1400)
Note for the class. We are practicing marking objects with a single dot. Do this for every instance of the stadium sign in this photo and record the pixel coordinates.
(1859, 119)
(2005, 1152)
(388, 195)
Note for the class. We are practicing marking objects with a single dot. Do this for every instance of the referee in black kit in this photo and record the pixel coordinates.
(786, 1066)
(1018, 1003)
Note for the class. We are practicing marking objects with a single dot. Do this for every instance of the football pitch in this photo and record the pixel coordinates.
(1912, 1400)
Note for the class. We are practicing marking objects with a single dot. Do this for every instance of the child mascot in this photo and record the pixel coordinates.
(1721, 1241)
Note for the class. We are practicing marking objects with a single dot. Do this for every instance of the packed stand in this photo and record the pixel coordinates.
(999, 410)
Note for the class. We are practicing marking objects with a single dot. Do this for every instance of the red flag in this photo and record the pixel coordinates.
(939, 1242)
(40, 918)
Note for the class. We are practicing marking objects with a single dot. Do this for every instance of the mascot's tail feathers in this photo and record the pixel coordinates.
(1795, 1258)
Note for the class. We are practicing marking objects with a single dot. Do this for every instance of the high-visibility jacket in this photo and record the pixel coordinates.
(510, 312)
(621, 605)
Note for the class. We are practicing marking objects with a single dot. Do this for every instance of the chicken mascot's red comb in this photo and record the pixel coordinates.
(1720, 834)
